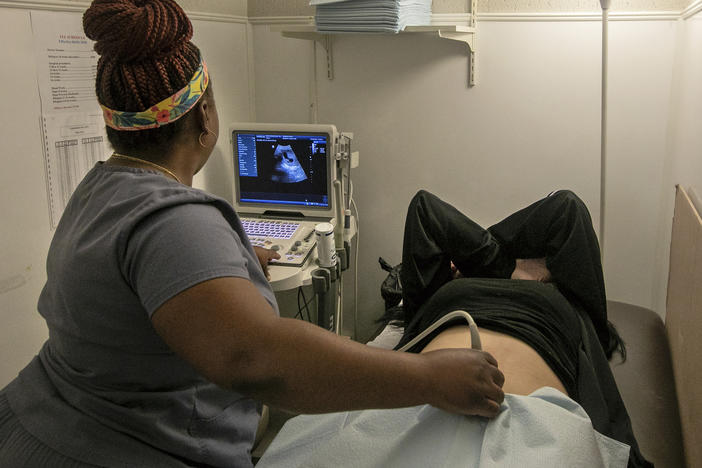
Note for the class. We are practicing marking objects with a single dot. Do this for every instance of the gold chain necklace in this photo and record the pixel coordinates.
(148, 163)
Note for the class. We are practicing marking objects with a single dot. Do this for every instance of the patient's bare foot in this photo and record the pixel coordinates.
(533, 269)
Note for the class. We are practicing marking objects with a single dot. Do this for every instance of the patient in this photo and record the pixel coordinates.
(451, 263)
(533, 284)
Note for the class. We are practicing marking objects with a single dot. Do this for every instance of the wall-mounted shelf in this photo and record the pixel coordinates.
(465, 34)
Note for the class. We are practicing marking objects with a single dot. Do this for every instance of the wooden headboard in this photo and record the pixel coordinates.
(683, 321)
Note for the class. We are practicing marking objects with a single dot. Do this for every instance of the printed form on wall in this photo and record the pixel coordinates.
(71, 119)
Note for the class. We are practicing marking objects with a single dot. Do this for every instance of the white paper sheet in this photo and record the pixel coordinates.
(71, 120)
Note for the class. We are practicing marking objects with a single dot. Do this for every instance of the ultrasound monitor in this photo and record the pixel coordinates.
(284, 170)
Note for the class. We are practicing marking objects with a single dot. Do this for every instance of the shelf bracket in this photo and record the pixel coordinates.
(325, 40)
(469, 40)
(328, 44)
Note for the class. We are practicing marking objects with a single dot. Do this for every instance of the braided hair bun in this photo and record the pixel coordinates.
(145, 51)
(135, 30)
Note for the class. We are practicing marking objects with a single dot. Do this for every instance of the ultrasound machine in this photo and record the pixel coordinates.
(284, 184)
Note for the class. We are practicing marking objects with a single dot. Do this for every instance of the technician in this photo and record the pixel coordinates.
(164, 334)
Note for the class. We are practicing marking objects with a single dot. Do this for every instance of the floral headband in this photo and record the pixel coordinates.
(169, 110)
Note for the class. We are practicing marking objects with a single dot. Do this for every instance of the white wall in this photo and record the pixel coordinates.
(683, 164)
(24, 227)
(24, 211)
(217, 8)
(258, 8)
(639, 102)
(225, 46)
(530, 125)
(687, 167)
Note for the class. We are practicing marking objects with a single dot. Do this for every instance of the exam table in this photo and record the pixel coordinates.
(645, 381)
(646, 384)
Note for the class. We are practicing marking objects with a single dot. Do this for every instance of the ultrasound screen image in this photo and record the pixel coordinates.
(287, 169)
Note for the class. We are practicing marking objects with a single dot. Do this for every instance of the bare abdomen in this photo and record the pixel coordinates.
(524, 370)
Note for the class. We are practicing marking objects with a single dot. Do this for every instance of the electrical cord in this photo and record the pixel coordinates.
(305, 304)
(355, 269)
(474, 334)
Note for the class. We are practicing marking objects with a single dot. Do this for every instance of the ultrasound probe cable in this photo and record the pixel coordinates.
(474, 334)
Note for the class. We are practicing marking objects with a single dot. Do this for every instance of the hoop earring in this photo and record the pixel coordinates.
(204, 135)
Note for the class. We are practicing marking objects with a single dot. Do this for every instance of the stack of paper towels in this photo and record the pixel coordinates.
(381, 16)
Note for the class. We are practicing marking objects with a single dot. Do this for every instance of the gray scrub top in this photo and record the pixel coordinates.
(105, 389)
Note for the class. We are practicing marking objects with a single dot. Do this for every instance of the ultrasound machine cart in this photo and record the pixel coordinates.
(297, 174)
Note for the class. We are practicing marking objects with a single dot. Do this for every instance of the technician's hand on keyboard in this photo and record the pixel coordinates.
(264, 257)
(466, 381)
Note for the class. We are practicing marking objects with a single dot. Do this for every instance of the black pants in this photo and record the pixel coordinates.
(557, 227)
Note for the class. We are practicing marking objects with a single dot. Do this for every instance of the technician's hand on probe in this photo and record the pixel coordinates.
(467, 381)
(264, 257)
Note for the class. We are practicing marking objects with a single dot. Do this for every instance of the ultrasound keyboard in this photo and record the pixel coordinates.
(272, 229)
(293, 240)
